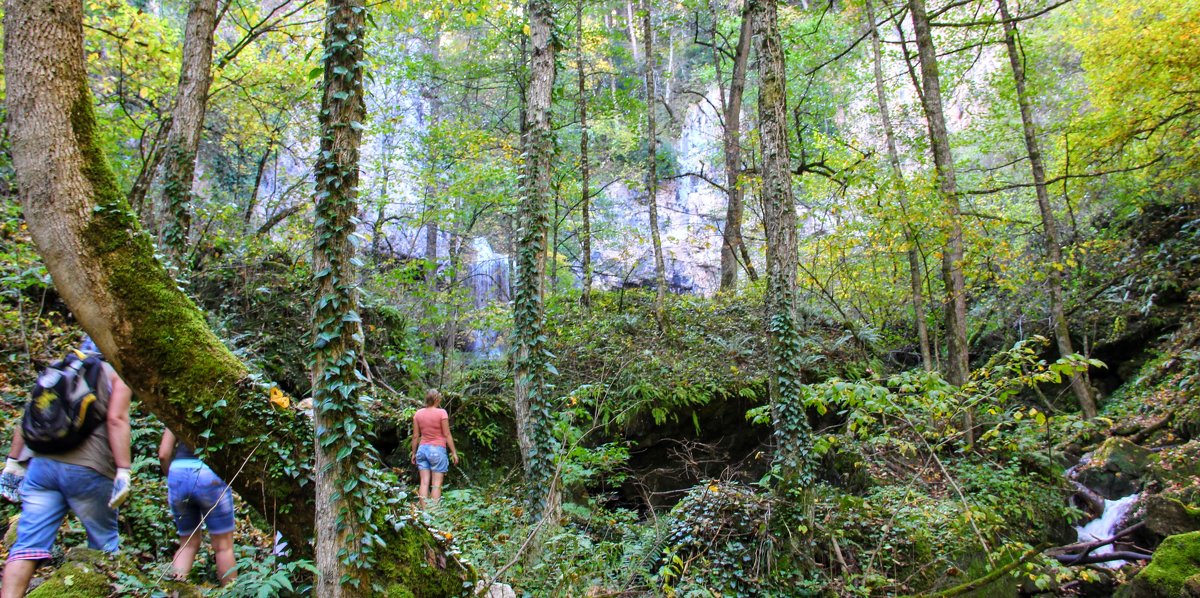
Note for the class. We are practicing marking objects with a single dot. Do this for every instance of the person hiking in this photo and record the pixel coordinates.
(431, 440)
(196, 495)
(90, 479)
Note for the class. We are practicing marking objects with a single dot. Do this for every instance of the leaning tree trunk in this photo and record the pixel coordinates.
(342, 450)
(532, 401)
(731, 237)
(104, 268)
(187, 121)
(958, 364)
(792, 432)
(910, 231)
(1058, 315)
(660, 275)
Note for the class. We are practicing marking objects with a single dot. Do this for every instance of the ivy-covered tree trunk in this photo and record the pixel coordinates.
(731, 236)
(910, 231)
(793, 437)
(342, 452)
(532, 402)
(585, 198)
(660, 275)
(104, 268)
(187, 121)
(958, 363)
(1054, 265)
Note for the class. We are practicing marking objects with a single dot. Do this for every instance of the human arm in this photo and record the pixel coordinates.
(449, 440)
(117, 422)
(166, 450)
(416, 440)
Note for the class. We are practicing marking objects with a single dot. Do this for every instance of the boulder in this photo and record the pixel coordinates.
(1115, 469)
(1168, 516)
(1172, 573)
(91, 573)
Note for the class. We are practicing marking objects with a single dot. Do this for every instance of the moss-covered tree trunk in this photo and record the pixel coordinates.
(793, 437)
(1054, 265)
(104, 268)
(958, 363)
(187, 121)
(532, 403)
(910, 230)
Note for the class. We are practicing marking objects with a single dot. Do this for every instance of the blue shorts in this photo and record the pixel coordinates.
(50, 488)
(433, 458)
(196, 496)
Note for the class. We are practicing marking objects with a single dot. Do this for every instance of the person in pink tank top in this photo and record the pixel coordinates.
(431, 441)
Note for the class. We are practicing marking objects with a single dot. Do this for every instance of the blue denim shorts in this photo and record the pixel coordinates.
(433, 458)
(49, 490)
(196, 496)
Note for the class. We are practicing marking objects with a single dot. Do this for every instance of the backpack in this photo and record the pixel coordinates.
(64, 408)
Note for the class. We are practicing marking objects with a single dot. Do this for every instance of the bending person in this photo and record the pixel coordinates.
(91, 479)
(196, 496)
(431, 440)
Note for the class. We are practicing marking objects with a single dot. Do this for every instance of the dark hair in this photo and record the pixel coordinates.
(432, 396)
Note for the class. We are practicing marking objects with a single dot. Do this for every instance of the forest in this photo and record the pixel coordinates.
(723, 297)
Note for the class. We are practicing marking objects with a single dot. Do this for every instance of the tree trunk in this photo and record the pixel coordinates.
(584, 171)
(532, 401)
(660, 276)
(910, 232)
(731, 237)
(337, 331)
(792, 432)
(187, 121)
(958, 363)
(633, 46)
(433, 102)
(1050, 227)
(104, 268)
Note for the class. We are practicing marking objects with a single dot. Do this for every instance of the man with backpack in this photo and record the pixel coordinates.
(77, 425)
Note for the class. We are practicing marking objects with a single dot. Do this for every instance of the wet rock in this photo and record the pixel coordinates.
(1167, 516)
(1172, 572)
(1116, 468)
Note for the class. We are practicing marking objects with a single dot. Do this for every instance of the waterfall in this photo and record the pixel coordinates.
(488, 278)
(1103, 527)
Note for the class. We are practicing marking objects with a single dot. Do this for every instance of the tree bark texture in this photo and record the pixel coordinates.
(433, 113)
(104, 268)
(957, 360)
(792, 431)
(731, 237)
(585, 198)
(532, 403)
(1054, 266)
(341, 448)
(910, 232)
(187, 122)
(660, 275)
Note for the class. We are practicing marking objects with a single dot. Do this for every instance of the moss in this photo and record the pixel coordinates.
(75, 580)
(415, 565)
(1175, 561)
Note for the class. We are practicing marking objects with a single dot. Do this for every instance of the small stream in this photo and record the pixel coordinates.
(1103, 527)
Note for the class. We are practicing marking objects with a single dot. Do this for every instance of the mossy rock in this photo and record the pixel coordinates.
(1176, 470)
(91, 573)
(1175, 565)
(84, 575)
(1116, 468)
(1167, 516)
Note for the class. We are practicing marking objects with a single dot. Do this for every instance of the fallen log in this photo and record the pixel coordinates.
(1087, 547)
(1124, 555)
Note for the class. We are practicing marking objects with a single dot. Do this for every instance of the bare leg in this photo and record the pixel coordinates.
(423, 489)
(222, 545)
(435, 492)
(185, 557)
(16, 578)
